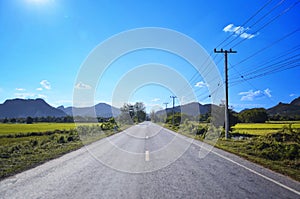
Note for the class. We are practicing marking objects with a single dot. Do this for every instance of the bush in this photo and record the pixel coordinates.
(61, 139)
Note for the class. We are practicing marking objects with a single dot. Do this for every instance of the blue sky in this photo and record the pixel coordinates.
(44, 43)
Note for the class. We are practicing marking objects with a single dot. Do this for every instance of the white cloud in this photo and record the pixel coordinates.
(201, 84)
(239, 31)
(39, 89)
(20, 89)
(292, 94)
(268, 92)
(29, 95)
(251, 95)
(81, 85)
(155, 100)
(24, 95)
(45, 84)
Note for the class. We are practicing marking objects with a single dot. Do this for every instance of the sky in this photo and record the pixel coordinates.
(44, 45)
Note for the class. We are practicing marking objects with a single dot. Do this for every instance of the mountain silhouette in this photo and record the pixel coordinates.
(21, 108)
(191, 109)
(286, 109)
(100, 110)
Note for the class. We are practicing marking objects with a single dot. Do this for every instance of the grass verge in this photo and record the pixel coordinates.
(22, 151)
(279, 151)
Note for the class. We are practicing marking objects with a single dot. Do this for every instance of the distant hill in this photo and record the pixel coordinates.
(21, 108)
(192, 109)
(296, 102)
(101, 110)
(286, 109)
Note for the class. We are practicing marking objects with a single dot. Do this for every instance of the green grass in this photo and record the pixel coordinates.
(23, 146)
(280, 156)
(276, 147)
(20, 153)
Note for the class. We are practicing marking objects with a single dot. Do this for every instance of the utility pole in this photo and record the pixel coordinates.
(166, 103)
(173, 108)
(226, 87)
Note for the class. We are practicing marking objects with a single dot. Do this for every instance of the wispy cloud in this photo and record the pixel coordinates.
(268, 92)
(29, 95)
(20, 89)
(239, 31)
(155, 100)
(292, 95)
(252, 95)
(81, 85)
(201, 84)
(45, 84)
(39, 89)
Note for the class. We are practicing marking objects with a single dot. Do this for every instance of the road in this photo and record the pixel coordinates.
(148, 161)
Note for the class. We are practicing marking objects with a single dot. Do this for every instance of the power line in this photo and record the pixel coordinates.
(205, 62)
(268, 23)
(251, 84)
(270, 60)
(266, 47)
(253, 24)
(278, 68)
(279, 64)
(256, 13)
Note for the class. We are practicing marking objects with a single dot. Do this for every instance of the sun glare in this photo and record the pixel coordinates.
(38, 1)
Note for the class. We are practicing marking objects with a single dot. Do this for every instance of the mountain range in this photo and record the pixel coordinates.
(194, 108)
(284, 109)
(101, 110)
(21, 108)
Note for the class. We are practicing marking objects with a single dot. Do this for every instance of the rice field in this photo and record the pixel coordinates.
(6, 129)
(264, 128)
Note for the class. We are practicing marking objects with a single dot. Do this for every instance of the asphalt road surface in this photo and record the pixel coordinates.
(148, 161)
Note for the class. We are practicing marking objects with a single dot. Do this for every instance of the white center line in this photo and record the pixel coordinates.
(147, 157)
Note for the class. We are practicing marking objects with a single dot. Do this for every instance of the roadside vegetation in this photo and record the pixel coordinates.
(28, 142)
(23, 146)
(273, 144)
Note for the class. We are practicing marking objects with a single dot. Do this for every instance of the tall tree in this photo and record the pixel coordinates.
(132, 113)
(255, 115)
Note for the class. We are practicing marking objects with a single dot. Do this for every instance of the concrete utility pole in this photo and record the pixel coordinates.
(226, 88)
(166, 103)
(173, 108)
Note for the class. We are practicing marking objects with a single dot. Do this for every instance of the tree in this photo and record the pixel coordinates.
(13, 120)
(132, 113)
(140, 113)
(233, 118)
(29, 120)
(255, 115)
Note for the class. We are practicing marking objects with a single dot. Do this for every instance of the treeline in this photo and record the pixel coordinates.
(260, 115)
(255, 115)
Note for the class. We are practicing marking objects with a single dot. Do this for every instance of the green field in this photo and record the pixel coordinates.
(10, 129)
(23, 146)
(36, 127)
(263, 128)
